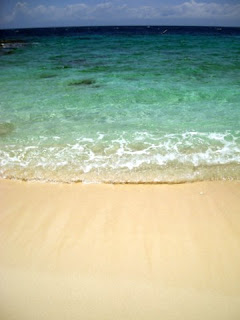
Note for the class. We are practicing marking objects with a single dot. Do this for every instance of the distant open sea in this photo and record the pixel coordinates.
(120, 104)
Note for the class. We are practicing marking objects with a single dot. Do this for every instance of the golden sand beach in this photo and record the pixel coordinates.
(81, 252)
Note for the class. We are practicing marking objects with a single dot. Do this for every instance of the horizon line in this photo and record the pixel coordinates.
(119, 26)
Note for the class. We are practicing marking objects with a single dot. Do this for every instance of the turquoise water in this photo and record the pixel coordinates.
(120, 108)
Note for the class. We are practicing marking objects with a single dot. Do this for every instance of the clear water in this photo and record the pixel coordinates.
(100, 105)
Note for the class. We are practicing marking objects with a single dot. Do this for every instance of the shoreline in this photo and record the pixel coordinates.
(113, 183)
(115, 251)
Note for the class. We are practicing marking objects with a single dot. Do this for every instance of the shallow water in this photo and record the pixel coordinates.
(120, 105)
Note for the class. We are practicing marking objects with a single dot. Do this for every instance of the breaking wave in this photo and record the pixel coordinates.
(140, 157)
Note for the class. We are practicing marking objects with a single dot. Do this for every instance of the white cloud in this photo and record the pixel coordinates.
(196, 9)
(109, 12)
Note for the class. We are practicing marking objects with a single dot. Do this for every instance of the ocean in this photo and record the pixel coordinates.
(120, 104)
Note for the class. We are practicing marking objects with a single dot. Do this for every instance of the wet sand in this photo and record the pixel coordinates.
(119, 251)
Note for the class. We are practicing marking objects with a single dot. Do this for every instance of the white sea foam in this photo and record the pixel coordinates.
(141, 156)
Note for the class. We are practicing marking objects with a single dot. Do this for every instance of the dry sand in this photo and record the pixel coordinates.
(80, 252)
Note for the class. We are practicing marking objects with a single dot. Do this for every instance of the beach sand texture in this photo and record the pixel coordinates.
(74, 251)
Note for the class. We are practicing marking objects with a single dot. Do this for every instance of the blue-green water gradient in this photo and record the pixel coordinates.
(121, 108)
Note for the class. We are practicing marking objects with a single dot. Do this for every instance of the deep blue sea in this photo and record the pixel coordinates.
(120, 104)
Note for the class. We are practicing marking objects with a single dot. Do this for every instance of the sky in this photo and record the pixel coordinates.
(53, 13)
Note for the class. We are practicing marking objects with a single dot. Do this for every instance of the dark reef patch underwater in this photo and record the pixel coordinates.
(6, 128)
(82, 82)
